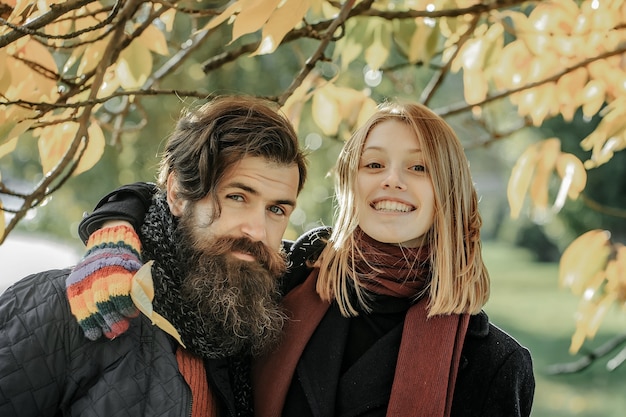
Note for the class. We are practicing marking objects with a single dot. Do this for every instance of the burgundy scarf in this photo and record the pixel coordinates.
(429, 354)
(390, 269)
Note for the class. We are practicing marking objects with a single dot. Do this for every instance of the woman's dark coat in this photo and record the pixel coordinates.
(495, 377)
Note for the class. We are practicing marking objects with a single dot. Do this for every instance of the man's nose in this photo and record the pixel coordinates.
(254, 227)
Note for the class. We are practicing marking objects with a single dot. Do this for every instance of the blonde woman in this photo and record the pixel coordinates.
(388, 321)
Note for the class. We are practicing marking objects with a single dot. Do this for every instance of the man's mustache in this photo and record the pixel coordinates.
(226, 244)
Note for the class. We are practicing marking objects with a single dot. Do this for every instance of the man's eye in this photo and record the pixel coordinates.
(235, 197)
(277, 210)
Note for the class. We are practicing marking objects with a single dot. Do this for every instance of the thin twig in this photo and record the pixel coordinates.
(588, 359)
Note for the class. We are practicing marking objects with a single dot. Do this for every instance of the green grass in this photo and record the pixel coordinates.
(526, 301)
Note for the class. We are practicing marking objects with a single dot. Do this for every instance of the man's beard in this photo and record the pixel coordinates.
(236, 300)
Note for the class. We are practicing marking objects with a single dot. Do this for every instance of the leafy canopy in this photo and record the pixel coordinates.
(74, 74)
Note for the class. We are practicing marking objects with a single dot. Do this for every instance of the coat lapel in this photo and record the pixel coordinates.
(273, 372)
(320, 365)
(367, 384)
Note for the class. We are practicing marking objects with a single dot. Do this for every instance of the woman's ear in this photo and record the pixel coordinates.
(174, 200)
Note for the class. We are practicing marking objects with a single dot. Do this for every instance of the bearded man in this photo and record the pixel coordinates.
(229, 178)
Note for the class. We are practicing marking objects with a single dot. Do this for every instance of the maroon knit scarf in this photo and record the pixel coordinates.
(391, 270)
(430, 348)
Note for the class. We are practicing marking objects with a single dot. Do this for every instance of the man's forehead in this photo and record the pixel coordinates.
(260, 175)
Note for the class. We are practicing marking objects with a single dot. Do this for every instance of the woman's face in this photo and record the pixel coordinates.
(395, 196)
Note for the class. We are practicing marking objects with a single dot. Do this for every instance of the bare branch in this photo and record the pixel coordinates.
(319, 53)
(588, 359)
(56, 10)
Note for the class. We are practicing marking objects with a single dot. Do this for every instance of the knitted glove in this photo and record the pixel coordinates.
(98, 289)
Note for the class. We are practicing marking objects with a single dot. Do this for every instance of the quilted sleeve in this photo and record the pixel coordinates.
(302, 254)
(33, 328)
(129, 202)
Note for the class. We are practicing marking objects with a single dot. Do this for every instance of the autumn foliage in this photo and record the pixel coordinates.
(72, 72)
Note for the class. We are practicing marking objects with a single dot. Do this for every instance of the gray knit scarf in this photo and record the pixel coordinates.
(159, 236)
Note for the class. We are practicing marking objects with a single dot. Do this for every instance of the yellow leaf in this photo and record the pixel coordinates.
(376, 54)
(168, 19)
(325, 111)
(519, 181)
(377, 51)
(474, 86)
(583, 258)
(54, 141)
(142, 289)
(225, 15)
(5, 129)
(368, 108)
(424, 42)
(253, 15)
(9, 132)
(545, 101)
(350, 46)
(594, 316)
(470, 56)
(546, 160)
(511, 70)
(110, 83)
(295, 103)
(92, 56)
(134, 66)
(350, 102)
(8, 147)
(592, 97)
(348, 50)
(28, 84)
(280, 23)
(495, 42)
(569, 84)
(94, 151)
(35, 52)
(573, 176)
(142, 294)
(154, 39)
(612, 125)
(577, 340)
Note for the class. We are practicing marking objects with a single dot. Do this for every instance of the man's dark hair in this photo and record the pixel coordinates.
(209, 140)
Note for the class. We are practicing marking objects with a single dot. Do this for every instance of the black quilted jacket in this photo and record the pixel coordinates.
(49, 368)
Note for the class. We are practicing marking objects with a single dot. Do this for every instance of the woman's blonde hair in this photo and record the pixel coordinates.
(460, 280)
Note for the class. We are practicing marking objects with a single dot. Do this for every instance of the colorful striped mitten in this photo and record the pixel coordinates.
(99, 287)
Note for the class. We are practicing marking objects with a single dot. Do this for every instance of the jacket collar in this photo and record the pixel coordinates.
(478, 325)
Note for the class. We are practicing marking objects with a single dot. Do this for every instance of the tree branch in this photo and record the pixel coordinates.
(319, 53)
(56, 10)
(586, 361)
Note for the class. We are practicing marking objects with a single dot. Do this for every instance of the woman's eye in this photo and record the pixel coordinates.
(373, 165)
(419, 168)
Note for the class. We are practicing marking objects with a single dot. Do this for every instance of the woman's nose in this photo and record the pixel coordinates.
(394, 180)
